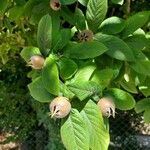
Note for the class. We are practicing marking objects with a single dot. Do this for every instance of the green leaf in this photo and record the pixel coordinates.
(50, 76)
(80, 19)
(122, 99)
(28, 52)
(44, 34)
(145, 87)
(74, 132)
(120, 2)
(67, 2)
(84, 90)
(147, 116)
(67, 68)
(84, 73)
(64, 38)
(112, 25)
(99, 135)
(134, 22)
(142, 105)
(84, 50)
(95, 14)
(83, 2)
(102, 77)
(3, 6)
(137, 44)
(142, 67)
(15, 12)
(117, 48)
(38, 92)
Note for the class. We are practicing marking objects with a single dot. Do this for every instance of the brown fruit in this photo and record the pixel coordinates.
(36, 62)
(107, 107)
(55, 5)
(60, 107)
(85, 35)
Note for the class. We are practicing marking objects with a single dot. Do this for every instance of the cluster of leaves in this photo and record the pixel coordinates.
(117, 57)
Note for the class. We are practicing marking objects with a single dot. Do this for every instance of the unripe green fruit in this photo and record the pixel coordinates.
(107, 107)
(55, 5)
(60, 107)
(36, 62)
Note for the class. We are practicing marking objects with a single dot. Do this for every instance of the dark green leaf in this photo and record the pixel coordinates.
(99, 135)
(142, 67)
(117, 48)
(96, 11)
(3, 6)
(122, 99)
(84, 90)
(28, 52)
(67, 68)
(84, 50)
(112, 25)
(102, 77)
(74, 132)
(50, 76)
(134, 22)
(44, 34)
(38, 91)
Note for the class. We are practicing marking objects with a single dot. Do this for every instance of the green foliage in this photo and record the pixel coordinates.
(114, 62)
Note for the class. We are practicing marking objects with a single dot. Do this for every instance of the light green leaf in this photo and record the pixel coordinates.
(84, 90)
(50, 76)
(95, 14)
(117, 48)
(84, 50)
(67, 68)
(28, 52)
(74, 132)
(44, 34)
(38, 92)
(102, 77)
(99, 135)
(67, 2)
(84, 73)
(145, 87)
(112, 25)
(120, 2)
(122, 99)
(147, 116)
(134, 22)
(142, 67)
(142, 105)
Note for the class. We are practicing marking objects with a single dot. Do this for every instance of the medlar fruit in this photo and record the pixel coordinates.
(60, 107)
(55, 5)
(107, 107)
(36, 62)
(85, 35)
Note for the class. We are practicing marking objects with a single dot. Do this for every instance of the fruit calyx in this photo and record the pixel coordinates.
(55, 5)
(85, 35)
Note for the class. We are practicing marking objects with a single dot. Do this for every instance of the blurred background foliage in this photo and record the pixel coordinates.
(21, 116)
